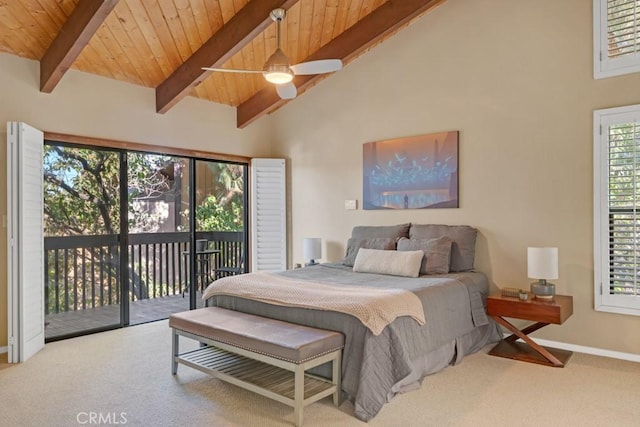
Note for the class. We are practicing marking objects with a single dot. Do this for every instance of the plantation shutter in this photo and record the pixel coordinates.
(268, 215)
(619, 211)
(624, 199)
(25, 261)
(617, 37)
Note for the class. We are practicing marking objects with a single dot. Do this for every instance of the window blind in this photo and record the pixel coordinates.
(623, 30)
(624, 208)
(616, 37)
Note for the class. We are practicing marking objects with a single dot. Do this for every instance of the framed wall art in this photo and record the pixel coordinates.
(418, 172)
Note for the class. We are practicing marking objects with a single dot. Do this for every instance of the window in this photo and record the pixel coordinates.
(616, 37)
(616, 161)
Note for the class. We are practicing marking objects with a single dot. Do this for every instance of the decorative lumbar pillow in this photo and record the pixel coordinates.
(354, 245)
(463, 238)
(394, 263)
(437, 253)
(376, 231)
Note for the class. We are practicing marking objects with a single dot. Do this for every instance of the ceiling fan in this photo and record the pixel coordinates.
(279, 71)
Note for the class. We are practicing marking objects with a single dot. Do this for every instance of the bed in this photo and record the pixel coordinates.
(379, 363)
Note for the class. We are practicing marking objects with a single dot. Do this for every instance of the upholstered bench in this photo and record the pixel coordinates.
(266, 356)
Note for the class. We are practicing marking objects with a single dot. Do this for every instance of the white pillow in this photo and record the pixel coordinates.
(406, 263)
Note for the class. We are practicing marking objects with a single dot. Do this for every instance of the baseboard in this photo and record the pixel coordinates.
(587, 350)
(4, 350)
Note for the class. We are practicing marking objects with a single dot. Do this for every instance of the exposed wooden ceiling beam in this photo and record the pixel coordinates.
(372, 28)
(74, 35)
(245, 25)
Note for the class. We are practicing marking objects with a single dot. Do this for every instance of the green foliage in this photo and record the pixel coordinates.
(149, 177)
(221, 202)
(214, 216)
(624, 156)
(224, 209)
(82, 197)
(80, 191)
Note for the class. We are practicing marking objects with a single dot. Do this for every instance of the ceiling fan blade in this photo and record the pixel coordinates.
(287, 90)
(232, 70)
(320, 66)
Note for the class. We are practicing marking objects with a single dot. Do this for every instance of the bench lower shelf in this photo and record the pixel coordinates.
(260, 377)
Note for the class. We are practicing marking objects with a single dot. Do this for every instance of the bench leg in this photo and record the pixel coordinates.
(298, 394)
(174, 351)
(337, 378)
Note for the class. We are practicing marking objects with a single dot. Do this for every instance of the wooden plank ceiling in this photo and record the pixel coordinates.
(163, 44)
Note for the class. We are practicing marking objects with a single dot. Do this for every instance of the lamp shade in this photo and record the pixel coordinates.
(542, 263)
(312, 248)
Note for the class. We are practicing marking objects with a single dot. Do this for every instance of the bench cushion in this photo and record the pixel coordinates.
(275, 338)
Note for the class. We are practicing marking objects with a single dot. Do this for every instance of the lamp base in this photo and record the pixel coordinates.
(543, 290)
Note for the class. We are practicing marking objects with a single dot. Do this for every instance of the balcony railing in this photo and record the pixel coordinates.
(84, 271)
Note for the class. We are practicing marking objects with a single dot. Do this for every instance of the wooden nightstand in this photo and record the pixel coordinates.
(543, 313)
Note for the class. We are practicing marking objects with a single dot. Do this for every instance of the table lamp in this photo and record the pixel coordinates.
(312, 249)
(542, 264)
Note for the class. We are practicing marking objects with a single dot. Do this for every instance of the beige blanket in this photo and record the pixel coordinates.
(374, 307)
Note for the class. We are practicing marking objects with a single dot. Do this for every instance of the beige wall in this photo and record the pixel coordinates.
(515, 78)
(3, 241)
(98, 107)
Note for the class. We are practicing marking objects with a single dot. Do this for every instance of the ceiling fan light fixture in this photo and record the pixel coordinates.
(278, 74)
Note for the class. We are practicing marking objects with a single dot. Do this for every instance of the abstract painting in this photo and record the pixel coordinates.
(416, 172)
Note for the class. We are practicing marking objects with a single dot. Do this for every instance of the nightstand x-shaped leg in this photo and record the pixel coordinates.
(522, 334)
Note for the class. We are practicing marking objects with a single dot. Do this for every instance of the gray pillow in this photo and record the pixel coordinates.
(354, 245)
(437, 253)
(463, 237)
(374, 231)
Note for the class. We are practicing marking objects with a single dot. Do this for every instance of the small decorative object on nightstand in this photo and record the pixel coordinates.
(543, 313)
(510, 292)
(542, 264)
(312, 249)
(523, 295)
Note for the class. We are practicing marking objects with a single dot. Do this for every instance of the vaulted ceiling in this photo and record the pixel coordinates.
(164, 44)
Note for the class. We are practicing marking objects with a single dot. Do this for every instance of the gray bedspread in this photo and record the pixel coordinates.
(374, 368)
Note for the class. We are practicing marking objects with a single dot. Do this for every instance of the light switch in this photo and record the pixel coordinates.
(351, 205)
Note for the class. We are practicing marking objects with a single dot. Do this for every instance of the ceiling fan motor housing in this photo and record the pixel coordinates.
(278, 59)
(276, 69)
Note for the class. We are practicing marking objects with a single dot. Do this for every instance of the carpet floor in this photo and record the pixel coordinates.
(123, 377)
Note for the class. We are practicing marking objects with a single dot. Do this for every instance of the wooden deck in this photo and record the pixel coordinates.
(141, 311)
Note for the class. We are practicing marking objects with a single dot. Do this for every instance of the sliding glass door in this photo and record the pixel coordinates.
(82, 240)
(158, 236)
(124, 245)
(220, 219)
